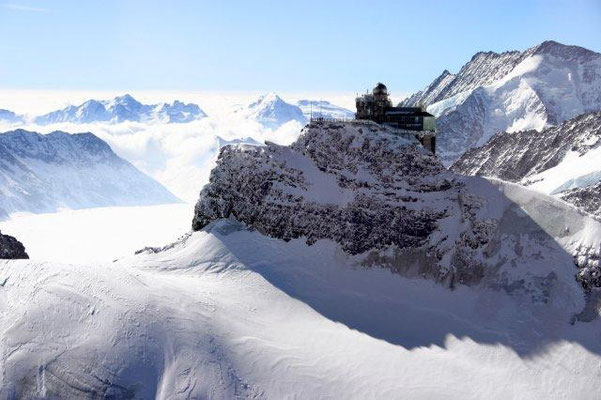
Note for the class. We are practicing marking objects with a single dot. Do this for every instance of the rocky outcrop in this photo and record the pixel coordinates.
(11, 248)
(265, 187)
(587, 199)
(519, 155)
(386, 200)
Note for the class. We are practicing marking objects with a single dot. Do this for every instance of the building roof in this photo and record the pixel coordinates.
(409, 111)
(380, 88)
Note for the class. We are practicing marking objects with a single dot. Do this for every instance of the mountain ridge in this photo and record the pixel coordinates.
(41, 173)
(539, 87)
(123, 108)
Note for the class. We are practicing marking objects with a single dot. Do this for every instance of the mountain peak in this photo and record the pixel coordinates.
(270, 97)
(271, 111)
(124, 108)
(561, 50)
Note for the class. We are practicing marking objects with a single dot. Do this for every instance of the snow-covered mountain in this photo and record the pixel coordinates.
(542, 86)
(247, 140)
(559, 158)
(124, 108)
(42, 173)
(11, 248)
(324, 109)
(322, 270)
(366, 189)
(10, 117)
(272, 112)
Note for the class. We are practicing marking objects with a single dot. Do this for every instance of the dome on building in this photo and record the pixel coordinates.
(380, 88)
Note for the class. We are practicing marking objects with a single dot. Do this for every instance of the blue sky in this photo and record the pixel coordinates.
(269, 45)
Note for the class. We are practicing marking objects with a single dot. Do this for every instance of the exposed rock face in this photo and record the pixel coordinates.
(587, 199)
(11, 248)
(526, 157)
(512, 91)
(519, 155)
(266, 187)
(391, 203)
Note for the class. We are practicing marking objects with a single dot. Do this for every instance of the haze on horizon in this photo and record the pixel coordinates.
(265, 46)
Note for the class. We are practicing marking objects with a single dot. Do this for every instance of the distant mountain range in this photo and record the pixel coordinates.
(43, 173)
(124, 108)
(324, 109)
(512, 91)
(10, 117)
(271, 111)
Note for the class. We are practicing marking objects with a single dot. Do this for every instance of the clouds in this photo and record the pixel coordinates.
(21, 7)
(180, 156)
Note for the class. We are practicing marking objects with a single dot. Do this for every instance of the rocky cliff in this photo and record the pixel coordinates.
(386, 199)
(11, 248)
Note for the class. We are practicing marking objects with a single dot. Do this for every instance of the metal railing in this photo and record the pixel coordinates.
(323, 119)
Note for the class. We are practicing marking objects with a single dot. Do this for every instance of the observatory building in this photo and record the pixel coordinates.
(376, 106)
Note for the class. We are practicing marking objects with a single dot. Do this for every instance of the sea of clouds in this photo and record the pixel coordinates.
(180, 156)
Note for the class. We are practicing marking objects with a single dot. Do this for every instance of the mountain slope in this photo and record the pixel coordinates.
(519, 156)
(41, 173)
(587, 198)
(10, 117)
(272, 112)
(557, 159)
(542, 86)
(341, 309)
(124, 108)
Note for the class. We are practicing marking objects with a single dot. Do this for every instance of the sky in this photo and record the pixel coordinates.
(282, 46)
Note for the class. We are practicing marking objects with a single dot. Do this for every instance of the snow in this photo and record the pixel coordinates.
(574, 171)
(227, 312)
(231, 313)
(324, 109)
(123, 108)
(512, 91)
(42, 173)
(97, 235)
